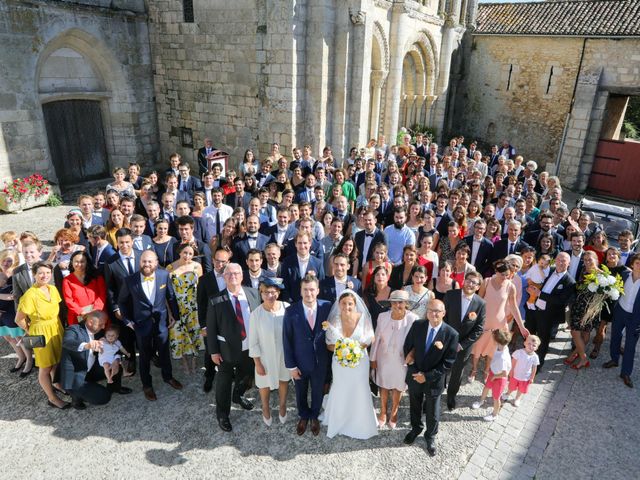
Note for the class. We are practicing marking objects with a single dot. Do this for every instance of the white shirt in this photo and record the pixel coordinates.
(125, 261)
(149, 287)
(573, 264)
(501, 361)
(303, 264)
(524, 364)
(281, 234)
(552, 281)
(99, 251)
(220, 281)
(367, 245)
(252, 239)
(92, 358)
(310, 311)
(475, 248)
(246, 313)
(255, 281)
(630, 293)
(340, 286)
(464, 306)
(209, 216)
(623, 257)
(435, 334)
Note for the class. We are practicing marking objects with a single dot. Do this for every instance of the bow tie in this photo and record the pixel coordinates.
(147, 279)
(368, 234)
(253, 237)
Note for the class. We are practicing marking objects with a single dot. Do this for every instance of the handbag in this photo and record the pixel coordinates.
(33, 341)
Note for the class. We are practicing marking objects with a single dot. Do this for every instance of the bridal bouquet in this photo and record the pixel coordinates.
(604, 286)
(348, 352)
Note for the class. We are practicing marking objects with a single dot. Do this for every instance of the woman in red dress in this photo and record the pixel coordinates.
(83, 289)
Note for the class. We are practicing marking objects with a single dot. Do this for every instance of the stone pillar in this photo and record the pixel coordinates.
(450, 40)
(397, 39)
(377, 80)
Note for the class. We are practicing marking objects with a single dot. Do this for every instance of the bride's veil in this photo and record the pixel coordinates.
(334, 332)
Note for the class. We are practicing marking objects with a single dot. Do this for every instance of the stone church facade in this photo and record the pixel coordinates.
(92, 84)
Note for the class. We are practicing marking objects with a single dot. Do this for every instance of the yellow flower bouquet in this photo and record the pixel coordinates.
(348, 352)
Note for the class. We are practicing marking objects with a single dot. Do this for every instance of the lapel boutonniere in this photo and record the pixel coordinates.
(325, 325)
(472, 315)
(438, 345)
(350, 285)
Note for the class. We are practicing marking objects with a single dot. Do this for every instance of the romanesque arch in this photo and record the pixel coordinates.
(379, 70)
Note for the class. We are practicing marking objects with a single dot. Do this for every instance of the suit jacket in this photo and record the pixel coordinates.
(443, 225)
(203, 163)
(580, 263)
(395, 278)
(203, 258)
(136, 308)
(241, 247)
(501, 248)
(304, 196)
(328, 287)
(21, 283)
(147, 244)
(304, 348)
(316, 249)
(291, 276)
(114, 274)
(434, 363)
(246, 278)
(636, 303)
(73, 364)
(193, 184)
(223, 330)
(484, 256)
(207, 289)
(469, 330)
(378, 237)
(231, 200)
(105, 255)
(347, 220)
(562, 294)
(532, 238)
(434, 179)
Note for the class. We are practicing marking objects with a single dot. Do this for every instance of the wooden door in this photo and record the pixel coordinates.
(76, 140)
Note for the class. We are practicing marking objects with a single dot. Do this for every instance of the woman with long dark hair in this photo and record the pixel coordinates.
(84, 289)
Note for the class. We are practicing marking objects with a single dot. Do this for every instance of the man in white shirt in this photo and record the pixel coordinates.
(216, 214)
(575, 261)
(626, 317)
(331, 241)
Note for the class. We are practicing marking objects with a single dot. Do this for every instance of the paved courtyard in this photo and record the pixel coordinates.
(571, 425)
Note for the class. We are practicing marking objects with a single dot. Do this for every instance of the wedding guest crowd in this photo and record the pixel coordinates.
(392, 271)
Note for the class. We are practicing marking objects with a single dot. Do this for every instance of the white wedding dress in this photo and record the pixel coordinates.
(349, 408)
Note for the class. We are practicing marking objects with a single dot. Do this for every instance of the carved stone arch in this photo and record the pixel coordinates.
(380, 37)
(429, 51)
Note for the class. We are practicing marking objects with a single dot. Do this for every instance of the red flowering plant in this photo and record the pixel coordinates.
(20, 188)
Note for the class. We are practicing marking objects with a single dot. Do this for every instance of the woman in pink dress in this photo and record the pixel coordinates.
(387, 354)
(500, 294)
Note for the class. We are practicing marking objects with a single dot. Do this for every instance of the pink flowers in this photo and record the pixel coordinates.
(20, 188)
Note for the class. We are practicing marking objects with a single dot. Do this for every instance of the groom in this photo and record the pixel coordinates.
(305, 351)
(432, 345)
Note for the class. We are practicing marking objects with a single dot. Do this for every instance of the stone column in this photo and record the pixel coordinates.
(377, 80)
(450, 40)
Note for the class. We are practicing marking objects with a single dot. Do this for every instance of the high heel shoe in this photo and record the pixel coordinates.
(267, 421)
(24, 374)
(472, 376)
(381, 422)
(17, 368)
(570, 359)
(578, 366)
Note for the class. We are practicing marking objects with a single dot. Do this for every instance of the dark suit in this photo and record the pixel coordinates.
(434, 179)
(291, 276)
(203, 258)
(107, 252)
(241, 247)
(21, 282)
(203, 163)
(630, 324)
(75, 377)
(191, 185)
(541, 322)
(501, 248)
(328, 288)
(484, 255)
(316, 249)
(443, 225)
(207, 289)
(532, 238)
(147, 244)
(395, 278)
(434, 364)
(224, 338)
(246, 278)
(378, 237)
(306, 350)
(231, 200)
(468, 332)
(150, 320)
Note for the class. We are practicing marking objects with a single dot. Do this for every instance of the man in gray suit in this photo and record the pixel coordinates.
(22, 276)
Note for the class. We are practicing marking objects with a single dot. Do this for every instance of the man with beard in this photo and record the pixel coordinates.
(398, 235)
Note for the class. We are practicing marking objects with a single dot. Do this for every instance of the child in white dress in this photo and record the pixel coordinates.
(109, 357)
(536, 276)
(497, 380)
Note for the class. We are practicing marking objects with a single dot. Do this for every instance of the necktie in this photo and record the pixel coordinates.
(427, 345)
(129, 265)
(217, 222)
(511, 248)
(240, 319)
(311, 320)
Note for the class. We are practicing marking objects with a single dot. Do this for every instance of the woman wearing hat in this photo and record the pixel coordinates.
(387, 357)
(265, 347)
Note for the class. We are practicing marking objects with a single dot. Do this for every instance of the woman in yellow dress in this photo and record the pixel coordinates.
(184, 337)
(38, 315)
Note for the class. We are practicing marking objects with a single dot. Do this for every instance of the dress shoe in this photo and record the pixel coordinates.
(315, 427)
(301, 427)
(65, 405)
(244, 403)
(174, 383)
(149, 394)
(267, 421)
(609, 364)
(224, 424)
(17, 368)
(123, 391)
(208, 385)
(451, 403)
(627, 380)
(27, 373)
(79, 405)
(431, 446)
(411, 437)
(283, 419)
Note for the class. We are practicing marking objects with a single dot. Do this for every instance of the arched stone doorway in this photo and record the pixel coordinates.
(379, 71)
(417, 86)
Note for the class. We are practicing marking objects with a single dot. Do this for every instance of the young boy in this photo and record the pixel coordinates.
(525, 363)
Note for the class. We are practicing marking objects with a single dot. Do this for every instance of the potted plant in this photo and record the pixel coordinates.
(24, 193)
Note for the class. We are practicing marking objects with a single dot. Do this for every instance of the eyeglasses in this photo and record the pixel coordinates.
(232, 274)
(435, 311)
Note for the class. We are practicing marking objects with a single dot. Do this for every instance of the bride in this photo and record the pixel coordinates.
(349, 408)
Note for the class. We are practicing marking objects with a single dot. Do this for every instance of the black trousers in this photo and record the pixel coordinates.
(94, 393)
(148, 345)
(423, 399)
(209, 366)
(128, 340)
(455, 375)
(243, 372)
(540, 323)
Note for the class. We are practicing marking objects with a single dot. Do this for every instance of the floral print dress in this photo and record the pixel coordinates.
(184, 336)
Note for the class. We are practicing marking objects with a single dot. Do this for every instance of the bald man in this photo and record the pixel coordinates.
(149, 307)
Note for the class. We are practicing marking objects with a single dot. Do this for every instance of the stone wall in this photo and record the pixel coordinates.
(519, 89)
(106, 45)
